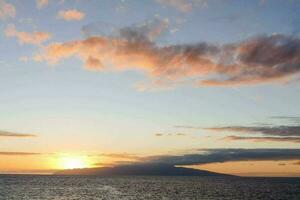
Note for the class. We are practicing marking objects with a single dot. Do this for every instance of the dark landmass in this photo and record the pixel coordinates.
(140, 170)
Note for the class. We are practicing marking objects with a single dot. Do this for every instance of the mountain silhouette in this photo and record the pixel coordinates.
(140, 170)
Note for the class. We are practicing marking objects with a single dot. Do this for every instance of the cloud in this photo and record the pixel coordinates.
(264, 139)
(182, 5)
(70, 15)
(34, 38)
(188, 127)
(262, 2)
(285, 117)
(273, 131)
(120, 156)
(270, 133)
(41, 3)
(258, 60)
(24, 58)
(226, 155)
(296, 163)
(7, 10)
(170, 134)
(288, 118)
(206, 156)
(281, 164)
(18, 135)
(18, 153)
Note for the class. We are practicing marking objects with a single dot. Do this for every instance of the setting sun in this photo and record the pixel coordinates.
(73, 163)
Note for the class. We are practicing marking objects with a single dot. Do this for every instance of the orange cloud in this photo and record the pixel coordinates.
(18, 153)
(7, 10)
(70, 15)
(41, 3)
(258, 60)
(35, 38)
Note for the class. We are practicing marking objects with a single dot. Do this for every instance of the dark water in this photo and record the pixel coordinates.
(89, 188)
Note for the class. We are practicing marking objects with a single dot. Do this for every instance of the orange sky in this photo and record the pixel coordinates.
(51, 163)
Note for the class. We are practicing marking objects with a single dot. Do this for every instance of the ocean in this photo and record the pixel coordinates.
(44, 187)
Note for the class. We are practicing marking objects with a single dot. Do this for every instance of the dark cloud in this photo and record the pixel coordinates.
(102, 164)
(263, 139)
(265, 130)
(206, 156)
(260, 59)
(12, 134)
(226, 155)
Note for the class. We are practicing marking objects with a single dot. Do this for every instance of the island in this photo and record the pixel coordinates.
(140, 170)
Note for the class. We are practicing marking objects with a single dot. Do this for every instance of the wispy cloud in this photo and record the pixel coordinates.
(170, 134)
(187, 127)
(71, 15)
(120, 156)
(266, 133)
(258, 60)
(263, 139)
(274, 130)
(183, 5)
(41, 3)
(34, 38)
(288, 118)
(4, 153)
(7, 10)
(18, 135)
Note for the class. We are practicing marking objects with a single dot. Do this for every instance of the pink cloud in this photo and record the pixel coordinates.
(35, 38)
(41, 3)
(258, 60)
(70, 15)
(7, 10)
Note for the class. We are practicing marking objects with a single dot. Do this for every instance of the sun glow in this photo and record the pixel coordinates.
(73, 163)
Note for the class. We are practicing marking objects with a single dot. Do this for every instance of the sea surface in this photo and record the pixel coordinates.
(33, 187)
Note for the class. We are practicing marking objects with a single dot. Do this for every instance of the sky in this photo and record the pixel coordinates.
(207, 84)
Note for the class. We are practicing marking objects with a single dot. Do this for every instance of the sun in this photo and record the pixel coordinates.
(73, 163)
(62, 161)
